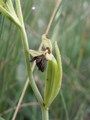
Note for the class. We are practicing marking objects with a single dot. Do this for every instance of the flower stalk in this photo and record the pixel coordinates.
(26, 53)
(45, 114)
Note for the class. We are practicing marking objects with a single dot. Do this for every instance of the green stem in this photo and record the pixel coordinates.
(45, 114)
(26, 53)
(28, 66)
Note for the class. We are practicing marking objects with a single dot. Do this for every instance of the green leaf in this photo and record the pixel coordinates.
(7, 9)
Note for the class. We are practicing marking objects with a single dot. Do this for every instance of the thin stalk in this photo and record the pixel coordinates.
(53, 16)
(45, 114)
(27, 56)
(20, 100)
(27, 59)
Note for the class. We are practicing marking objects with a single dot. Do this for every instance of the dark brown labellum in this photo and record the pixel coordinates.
(40, 62)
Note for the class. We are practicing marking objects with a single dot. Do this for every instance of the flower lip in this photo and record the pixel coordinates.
(42, 58)
(41, 62)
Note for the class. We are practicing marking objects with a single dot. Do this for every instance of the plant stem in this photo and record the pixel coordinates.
(20, 100)
(27, 59)
(45, 114)
(52, 16)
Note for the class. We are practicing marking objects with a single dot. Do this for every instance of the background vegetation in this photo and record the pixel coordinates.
(71, 28)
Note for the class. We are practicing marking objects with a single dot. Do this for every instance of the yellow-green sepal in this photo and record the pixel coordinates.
(53, 78)
(51, 70)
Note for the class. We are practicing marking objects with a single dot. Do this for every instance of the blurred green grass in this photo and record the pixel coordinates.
(71, 28)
